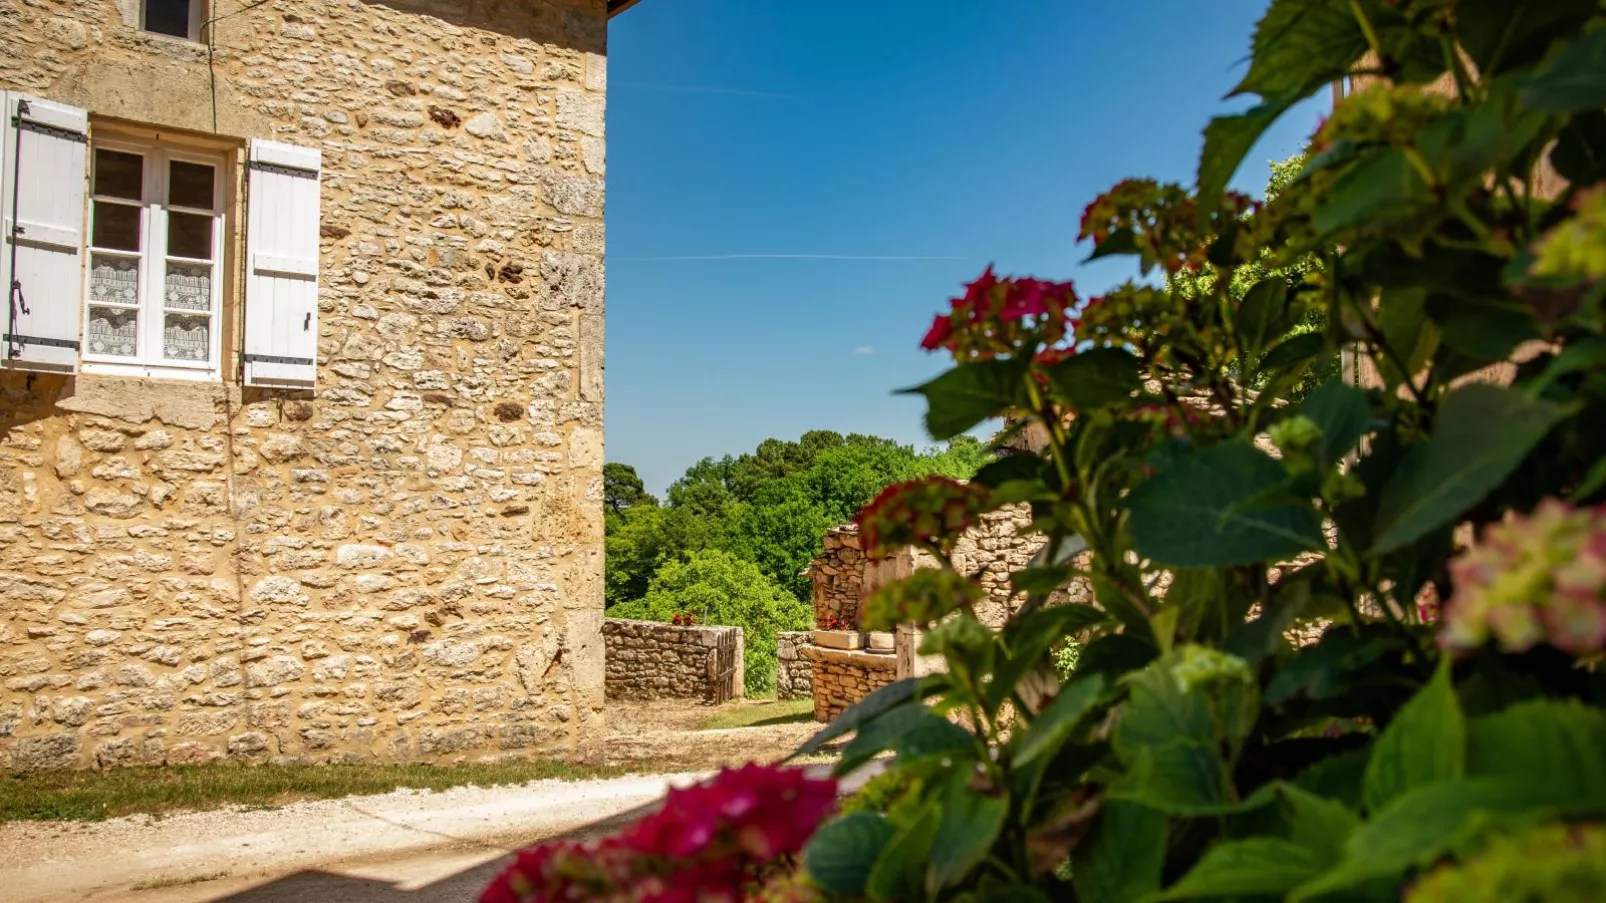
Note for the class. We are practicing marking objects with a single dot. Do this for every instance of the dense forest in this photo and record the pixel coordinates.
(728, 543)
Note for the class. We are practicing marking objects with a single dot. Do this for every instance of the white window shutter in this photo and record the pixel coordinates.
(44, 156)
(281, 285)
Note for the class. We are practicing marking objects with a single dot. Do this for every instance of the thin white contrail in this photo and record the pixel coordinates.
(698, 89)
(793, 257)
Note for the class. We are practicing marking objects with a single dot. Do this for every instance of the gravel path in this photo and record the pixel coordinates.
(409, 846)
(389, 847)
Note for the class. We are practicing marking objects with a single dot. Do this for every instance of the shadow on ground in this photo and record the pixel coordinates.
(317, 886)
(325, 886)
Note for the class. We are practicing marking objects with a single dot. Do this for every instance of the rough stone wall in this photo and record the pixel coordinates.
(843, 576)
(995, 549)
(837, 575)
(842, 678)
(653, 660)
(407, 563)
(794, 674)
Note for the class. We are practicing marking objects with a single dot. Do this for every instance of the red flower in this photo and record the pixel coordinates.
(997, 316)
(941, 329)
(832, 622)
(925, 512)
(707, 843)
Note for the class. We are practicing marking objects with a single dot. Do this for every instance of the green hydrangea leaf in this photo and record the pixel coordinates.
(1053, 726)
(1573, 79)
(1483, 432)
(1095, 378)
(1426, 743)
(1227, 140)
(870, 707)
(1417, 828)
(1556, 747)
(898, 872)
(970, 393)
(842, 853)
(1265, 315)
(885, 732)
(1253, 866)
(1502, 35)
(1121, 858)
(971, 822)
(1382, 188)
(1340, 411)
(1198, 511)
(1300, 45)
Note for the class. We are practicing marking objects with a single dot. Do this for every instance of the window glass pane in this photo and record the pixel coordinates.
(168, 17)
(113, 331)
(114, 280)
(189, 235)
(189, 287)
(186, 338)
(120, 175)
(189, 185)
(116, 226)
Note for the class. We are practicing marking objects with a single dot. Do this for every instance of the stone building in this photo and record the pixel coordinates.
(302, 384)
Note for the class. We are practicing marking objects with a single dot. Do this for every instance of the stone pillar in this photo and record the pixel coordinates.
(793, 673)
(910, 662)
(739, 691)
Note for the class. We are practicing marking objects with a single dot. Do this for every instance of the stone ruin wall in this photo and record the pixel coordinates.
(652, 660)
(840, 678)
(843, 576)
(837, 575)
(794, 673)
(406, 564)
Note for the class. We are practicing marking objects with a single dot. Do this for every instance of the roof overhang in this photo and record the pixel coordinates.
(615, 7)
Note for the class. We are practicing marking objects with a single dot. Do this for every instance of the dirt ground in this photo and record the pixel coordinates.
(407, 846)
(665, 732)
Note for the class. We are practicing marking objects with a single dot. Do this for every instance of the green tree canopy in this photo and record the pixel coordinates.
(770, 506)
(622, 488)
(643, 538)
(705, 489)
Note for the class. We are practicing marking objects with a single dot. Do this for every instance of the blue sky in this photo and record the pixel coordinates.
(934, 137)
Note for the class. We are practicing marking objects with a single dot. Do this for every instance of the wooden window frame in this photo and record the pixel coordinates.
(197, 23)
(148, 360)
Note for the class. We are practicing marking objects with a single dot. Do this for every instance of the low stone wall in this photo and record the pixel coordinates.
(653, 660)
(841, 678)
(794, 678)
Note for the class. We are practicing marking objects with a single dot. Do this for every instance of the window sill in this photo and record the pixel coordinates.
(166, 45)
(149, 371)
(178, 39)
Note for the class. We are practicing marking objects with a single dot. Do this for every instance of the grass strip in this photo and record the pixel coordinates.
(96, 795)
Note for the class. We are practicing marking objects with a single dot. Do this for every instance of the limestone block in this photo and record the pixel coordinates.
(278, 590)
(273, 671)
(838, 639)
(45, 752)
(580, 110)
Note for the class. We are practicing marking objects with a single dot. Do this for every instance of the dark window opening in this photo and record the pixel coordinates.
(175, 17)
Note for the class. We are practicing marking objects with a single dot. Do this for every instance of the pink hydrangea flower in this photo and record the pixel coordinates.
(707, 844)
(1532, 579)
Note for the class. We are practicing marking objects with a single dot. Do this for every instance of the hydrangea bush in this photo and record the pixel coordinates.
(1268, 699)
(1438, 533)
